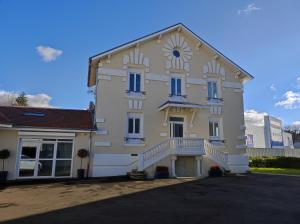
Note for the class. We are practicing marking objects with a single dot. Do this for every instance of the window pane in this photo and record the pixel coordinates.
(26, 168)
(64, 150)
(137, 126)
(63, 168)
(28, 152)
(138, 83)
(173, 83)
(211, 129)
(47, 151)
(209, 89)
(45, 167)
(178, 87)
(215, 95)
(131, 82)
(216, 129)
(130, 125)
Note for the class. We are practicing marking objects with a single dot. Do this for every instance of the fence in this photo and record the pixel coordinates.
(271, 152)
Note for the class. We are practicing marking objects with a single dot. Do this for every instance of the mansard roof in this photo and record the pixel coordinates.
(179, 26)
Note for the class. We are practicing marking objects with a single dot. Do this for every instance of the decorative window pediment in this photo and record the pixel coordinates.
(213, 67)
(178, 53)
(137, 58)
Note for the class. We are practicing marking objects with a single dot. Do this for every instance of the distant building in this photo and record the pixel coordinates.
(269, 134)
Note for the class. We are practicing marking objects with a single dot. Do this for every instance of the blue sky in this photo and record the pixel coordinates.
(261, 36)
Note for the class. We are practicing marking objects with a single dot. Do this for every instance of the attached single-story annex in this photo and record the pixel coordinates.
(43, 141)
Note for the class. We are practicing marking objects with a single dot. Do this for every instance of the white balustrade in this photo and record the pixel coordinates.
(176, 146)
(216, 154)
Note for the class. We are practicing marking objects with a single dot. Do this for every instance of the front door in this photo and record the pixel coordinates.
(176, 127)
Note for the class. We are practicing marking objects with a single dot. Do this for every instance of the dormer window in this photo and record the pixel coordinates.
(135, 82)
(176, 86)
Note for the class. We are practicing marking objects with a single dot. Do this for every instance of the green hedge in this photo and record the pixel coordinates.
(275, 162)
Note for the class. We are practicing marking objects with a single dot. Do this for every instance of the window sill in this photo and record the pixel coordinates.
(177, 98)
(135, 142)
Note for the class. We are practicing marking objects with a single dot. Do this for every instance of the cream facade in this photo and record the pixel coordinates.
(40, 154)
(167, 98)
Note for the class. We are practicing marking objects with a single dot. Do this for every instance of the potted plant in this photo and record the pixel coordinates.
(215, 171)
(161, 172)
(4, 154)
(81, 153)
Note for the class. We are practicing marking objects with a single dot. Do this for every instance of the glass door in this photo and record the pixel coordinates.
(45, 160)
(176, 127)
(27, 165)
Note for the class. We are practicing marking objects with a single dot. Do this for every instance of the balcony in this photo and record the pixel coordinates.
(187, 146)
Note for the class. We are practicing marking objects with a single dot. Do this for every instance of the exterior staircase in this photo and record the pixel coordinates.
(184, 147)
(173, 146)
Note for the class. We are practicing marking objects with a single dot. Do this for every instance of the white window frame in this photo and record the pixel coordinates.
(37, 142)
(135, 116)
(220, 129)
(219, 90)
(177, 76)
(135, 72)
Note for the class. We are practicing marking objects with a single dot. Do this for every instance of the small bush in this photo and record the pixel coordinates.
(275, 162)
(215, 171)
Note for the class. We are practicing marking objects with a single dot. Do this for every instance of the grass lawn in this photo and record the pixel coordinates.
(288, 171)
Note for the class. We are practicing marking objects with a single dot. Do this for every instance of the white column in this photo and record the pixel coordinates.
(199, 165)
(173, 160)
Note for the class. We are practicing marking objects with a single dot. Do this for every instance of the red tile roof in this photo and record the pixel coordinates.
(46, 118)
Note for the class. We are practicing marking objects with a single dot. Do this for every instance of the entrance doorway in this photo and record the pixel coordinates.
(45, 158)
(176, 127)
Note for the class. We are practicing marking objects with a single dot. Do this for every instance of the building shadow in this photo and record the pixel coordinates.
(246, 199)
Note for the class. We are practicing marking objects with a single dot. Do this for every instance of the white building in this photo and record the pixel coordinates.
(267, 134)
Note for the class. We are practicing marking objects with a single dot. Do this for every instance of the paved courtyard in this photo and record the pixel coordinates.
(249, 199)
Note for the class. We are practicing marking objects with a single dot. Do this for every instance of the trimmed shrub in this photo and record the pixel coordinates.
(275, 162)
(215, 171)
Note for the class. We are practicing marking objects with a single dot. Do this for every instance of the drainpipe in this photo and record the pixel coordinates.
(92, 110)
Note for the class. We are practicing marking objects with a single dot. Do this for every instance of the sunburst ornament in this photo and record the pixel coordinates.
(178, 53)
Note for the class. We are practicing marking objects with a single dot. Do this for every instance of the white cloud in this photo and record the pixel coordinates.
(254, 118)
(273, 88)
(39, 100)
(48, 54)
(248, 10)
(291, 100)
(7, 98)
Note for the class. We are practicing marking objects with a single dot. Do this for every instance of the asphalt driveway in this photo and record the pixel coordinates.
(249, 199)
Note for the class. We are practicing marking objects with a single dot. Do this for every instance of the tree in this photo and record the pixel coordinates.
(295, 131)
(22, 100)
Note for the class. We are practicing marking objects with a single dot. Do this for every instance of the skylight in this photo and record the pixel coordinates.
(35, 114)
